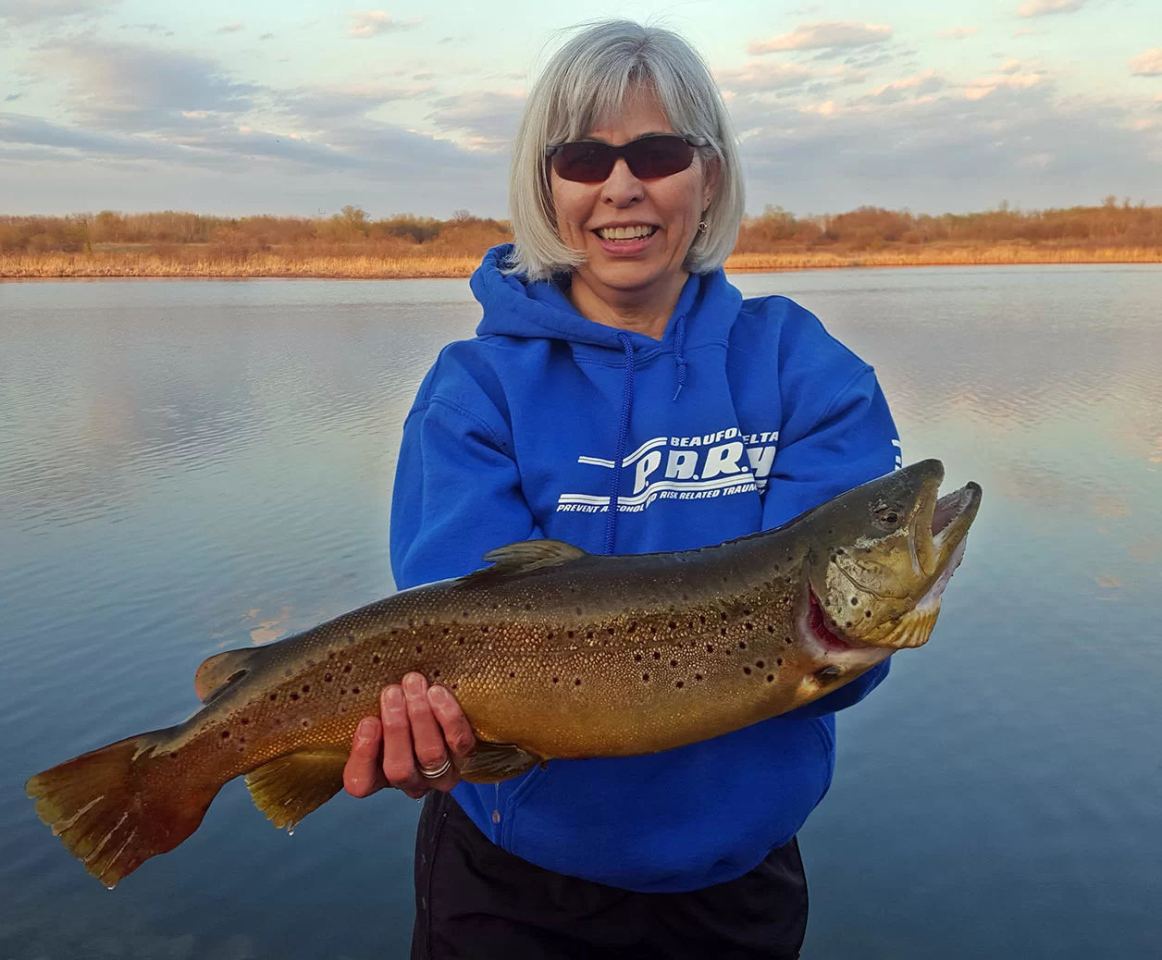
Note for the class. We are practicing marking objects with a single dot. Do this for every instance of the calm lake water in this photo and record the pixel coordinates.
(191, 466)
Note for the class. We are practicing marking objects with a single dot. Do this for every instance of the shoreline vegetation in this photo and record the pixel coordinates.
(350, 245)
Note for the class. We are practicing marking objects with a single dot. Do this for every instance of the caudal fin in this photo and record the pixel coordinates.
(118, 806)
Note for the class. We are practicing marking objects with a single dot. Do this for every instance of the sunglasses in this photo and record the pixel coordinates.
(591, 161)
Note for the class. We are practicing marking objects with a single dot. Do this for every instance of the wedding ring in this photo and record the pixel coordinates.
(436, 772)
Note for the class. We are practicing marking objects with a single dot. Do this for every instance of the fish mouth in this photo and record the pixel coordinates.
(941, 526)
(936, 539)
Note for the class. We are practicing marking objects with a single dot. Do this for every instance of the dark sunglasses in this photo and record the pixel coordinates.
(591, 161)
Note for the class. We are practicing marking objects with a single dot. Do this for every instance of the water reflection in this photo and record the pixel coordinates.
(186, 467)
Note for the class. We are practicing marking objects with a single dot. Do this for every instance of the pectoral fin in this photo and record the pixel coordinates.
(222, 669)
(493, 762)
(289, 788)
(526, 556)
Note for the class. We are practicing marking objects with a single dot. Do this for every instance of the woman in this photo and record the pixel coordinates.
(616, 365)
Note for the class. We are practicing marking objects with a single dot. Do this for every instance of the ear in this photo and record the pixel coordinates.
(711, 174)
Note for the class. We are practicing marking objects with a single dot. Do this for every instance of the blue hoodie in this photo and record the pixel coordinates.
(744, 415)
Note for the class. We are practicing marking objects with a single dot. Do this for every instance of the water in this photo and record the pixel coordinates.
(191, 466)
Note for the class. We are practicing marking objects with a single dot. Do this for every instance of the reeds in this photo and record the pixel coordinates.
(366, 267)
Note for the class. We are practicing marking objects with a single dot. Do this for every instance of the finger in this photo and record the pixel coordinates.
(427, 736)
(399, 761)
(458, 733)
(363, 772)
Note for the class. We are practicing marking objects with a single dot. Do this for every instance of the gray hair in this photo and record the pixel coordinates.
(590, 78)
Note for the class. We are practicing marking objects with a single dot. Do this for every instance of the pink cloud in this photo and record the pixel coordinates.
(817, 36)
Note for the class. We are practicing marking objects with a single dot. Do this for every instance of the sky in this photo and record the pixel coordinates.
(298, 107)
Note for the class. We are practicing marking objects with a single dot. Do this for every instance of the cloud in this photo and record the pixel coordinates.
(946, 150)
(956, 33)
(129, 87)
(233, 27)
(486, 120)
(17, 13)
(322, 107)
(1148, 64)
(371, 23)
(919, 85)
(825, 36)
(763, 76)
(1006, 80)
(1041, 8)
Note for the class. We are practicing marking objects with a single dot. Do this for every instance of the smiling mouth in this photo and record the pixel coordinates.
(625, 234)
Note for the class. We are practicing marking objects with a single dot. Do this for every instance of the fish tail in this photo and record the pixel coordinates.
(116, 807)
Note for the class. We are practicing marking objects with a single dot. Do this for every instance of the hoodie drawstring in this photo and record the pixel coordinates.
(680, 353)
(622, 436)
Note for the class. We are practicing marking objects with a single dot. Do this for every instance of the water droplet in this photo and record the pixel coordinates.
(110, 887)
(496, 816)
(290, 831)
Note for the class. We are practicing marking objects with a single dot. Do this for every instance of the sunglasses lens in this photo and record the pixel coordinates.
(653, 157)
(587, 161)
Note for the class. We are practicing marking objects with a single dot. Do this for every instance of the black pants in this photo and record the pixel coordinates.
(476, 901)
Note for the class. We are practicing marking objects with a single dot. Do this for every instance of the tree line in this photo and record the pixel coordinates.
(352, 233)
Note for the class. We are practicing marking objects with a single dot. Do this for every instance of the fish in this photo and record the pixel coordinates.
(553, 653)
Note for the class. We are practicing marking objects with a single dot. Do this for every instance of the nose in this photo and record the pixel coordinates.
(621, 188)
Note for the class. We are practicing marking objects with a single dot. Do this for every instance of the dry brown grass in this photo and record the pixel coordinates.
(66, 265)
(360, 267)
(926, 256)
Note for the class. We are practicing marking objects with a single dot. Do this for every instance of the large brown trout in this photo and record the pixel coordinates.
(551, 652)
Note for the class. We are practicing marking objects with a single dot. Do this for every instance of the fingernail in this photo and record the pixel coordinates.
(438, 695)
(393, 697)
(366, 729)
(413, 683)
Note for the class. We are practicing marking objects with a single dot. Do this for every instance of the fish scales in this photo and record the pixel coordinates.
(551, 652)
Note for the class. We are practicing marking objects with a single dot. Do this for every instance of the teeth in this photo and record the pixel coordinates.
(625, 233)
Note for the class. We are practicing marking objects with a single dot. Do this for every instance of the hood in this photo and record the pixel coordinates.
(515, 307)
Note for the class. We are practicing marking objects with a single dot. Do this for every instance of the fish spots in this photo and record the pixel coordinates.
(673, 663)
(855, 601)
(376, 658)
(305, 723)
(645, 678)
(709, 648)
(511, 674)
(657, 655)
(747, 671)
(778, 661)
(294, 695)
(741, 644)
(306, 688)
(679, 684)
(225, 734)
(577, 681)
(328, 677)
(419, 648)
(346, 668)
(556, 679)
(637, 658)
(273, 697)
(770, 678)
(697, 676)
(770, 628)
(760, 664)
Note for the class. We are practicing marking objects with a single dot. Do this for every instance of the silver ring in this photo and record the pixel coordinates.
(437, 772)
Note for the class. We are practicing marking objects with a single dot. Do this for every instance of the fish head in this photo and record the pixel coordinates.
(879, 558)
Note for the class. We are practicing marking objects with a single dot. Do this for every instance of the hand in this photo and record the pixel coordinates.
(418, 726)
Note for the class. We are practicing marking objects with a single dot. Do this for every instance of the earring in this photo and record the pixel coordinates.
(702, 226)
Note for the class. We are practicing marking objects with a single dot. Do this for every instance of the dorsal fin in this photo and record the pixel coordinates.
(525, 556)
(222, 669)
